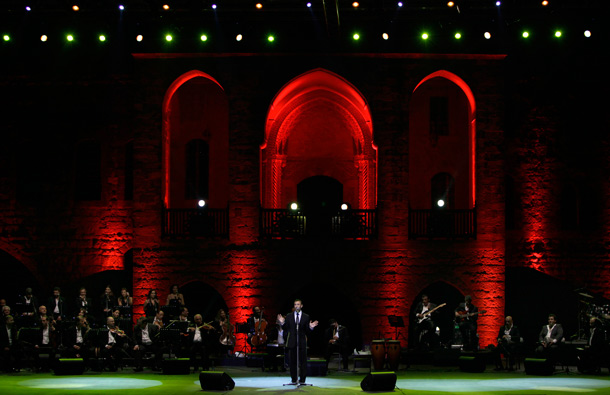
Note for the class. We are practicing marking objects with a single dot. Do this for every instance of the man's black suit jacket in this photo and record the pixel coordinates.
(153, 331)
(290, 327)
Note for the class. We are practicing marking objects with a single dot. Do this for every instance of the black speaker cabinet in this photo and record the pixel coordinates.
(472, 364)
(379, 381)
(69, 366)
(316, 367)
(538, 366)
(176, 366)
(216, 381)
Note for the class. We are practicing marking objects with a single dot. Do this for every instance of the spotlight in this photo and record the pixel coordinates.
(487, 35)
(102, 38)
(121, 7)
(345, 206)
(270, 38)
(356, 36)
(6, 37)
(168, 37)
(201, 203)
(75, 7)
(28, 8)
(525, 34)
(166, 7)
(308, 4)
(587, 33)
(44, 38)
(440, 203)
(259, 6)
(385, 36)
(139, 38)
(70, 37)
(294, 206)
(203, 37)
(214, 6)
(239, 37)
(458, 35)
(545, 3)
(355, 4)
(450, 4)
(399, 4)
(558, 33)
(498, 3)
(425, 36)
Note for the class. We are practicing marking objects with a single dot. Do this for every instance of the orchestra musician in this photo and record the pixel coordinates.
(198, 339)
(276, 342)
(28, 304)
(550, 338)
(116, 344)
(46, 343)
(225, 332)
(151, 305)
(158, 320)
(297, 324)
(125, 300)
(82, 302)
(257, 325)
(591, 357)
(9, 344)
(337, 339)
(466, 315)
(107, 302)
(57, 305)
(175, 298)
(508, 341)
(425, 336)
(145, 339)
(76, 340)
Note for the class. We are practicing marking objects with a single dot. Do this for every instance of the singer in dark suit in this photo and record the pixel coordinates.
(297, 324)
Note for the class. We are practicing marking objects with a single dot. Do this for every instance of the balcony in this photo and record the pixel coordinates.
(442, 224)
(290, 224)
(195, 222)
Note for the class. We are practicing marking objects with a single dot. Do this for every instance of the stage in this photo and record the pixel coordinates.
(412, 380)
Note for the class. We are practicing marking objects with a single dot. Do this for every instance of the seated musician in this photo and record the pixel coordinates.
(550, 338)
(9, 344)
(199, 339)
(592, 356)
(224, 333)
(114, 349)
(467, 315)
(158, 320)
(425, 336)
(76, 340)
(336, 338)
(46, 343)
(276, 341)
(508, 341)
(145, 339)
(256, 324)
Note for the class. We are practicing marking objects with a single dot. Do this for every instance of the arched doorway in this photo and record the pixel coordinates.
(202, 298)
(320, 198)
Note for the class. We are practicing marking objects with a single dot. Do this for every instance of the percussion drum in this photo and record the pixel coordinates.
(394, 354)
(378, 353)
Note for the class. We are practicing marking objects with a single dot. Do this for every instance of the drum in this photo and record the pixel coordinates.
(394, 354)
(378, 353)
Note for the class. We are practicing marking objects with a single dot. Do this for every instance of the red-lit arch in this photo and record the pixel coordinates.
(166, 126)
(308, 94)
(471, 121)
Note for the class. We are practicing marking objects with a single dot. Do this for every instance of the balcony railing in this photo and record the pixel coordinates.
(194, 222)
(443, 224)
(349, 224)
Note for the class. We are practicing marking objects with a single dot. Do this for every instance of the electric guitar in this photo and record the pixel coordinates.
(427, 313)
(463, 315)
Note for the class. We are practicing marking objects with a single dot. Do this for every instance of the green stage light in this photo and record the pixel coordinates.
(70, 37)
(204, 37)
(558, 33)
(270, 38)
(6, 37)
(458, 35)
(525, 34)
(356, 36)
(102, 38)
(425, 36)
(168, 37)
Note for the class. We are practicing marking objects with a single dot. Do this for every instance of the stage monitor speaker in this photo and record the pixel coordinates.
(472, 364)
(538, 366)
(379, 381)
(176, 366)
(216, 381)
(69, 366)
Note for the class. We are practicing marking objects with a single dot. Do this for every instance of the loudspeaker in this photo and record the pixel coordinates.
(176, 366)
(379, 381)
(69, 366)
(471, 364)
(219, 381)
(316, 367)
(538, 366)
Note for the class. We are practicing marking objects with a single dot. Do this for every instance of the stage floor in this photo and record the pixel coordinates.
(414, 380)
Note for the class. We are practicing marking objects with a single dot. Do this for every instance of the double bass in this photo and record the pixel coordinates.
(259, 338)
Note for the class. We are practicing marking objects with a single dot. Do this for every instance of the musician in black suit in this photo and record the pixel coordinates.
(337, 340)
(467, 314)
(297, 324)
(425, 336)
(9, 345)
(28, 306)
(107, 303)
(76, 340)
(146, 338)
(591, 357)
(509, 339)
(82, 302)
(550, 338)
(200, 338)
(57, 305)
(46, 343)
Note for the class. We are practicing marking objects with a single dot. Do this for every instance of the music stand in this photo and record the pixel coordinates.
(396, 322)
(245, 329)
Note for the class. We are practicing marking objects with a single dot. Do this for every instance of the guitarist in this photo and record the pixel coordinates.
(466, 315)
(425, 336)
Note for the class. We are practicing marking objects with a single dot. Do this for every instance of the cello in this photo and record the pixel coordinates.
(259, 338)
(227, 338)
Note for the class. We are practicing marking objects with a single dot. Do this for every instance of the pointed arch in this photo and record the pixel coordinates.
(323, 107)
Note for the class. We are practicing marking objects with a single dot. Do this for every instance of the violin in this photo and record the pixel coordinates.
(227, 338)
(259, 337)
